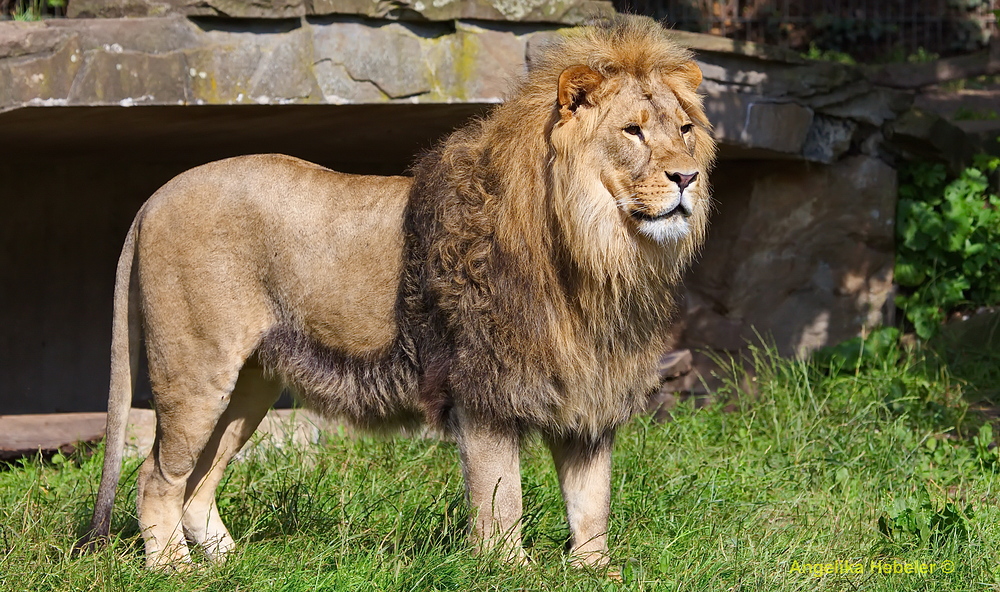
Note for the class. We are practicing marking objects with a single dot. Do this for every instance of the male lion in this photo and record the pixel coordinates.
(522, 284)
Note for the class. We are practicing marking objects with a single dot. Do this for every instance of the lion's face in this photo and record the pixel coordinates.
(650, 148)
(647, 143)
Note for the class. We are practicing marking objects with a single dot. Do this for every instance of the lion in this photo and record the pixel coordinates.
(520, 283)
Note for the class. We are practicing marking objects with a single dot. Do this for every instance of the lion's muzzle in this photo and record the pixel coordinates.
(680, 206)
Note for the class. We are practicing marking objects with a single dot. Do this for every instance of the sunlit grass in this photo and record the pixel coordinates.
(800, 473)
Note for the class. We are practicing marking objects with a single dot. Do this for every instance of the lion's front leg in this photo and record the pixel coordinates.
(492, 470)
(584, 467)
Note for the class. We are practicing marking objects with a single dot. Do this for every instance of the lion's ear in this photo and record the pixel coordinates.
(690, 73)
(575, 85)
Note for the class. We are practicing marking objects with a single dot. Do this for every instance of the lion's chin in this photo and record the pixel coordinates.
(665, 232)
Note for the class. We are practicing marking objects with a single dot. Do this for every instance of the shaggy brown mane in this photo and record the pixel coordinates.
(516, 318)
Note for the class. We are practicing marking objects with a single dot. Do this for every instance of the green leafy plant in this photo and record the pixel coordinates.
(856, 354)
(35, 10)
(948, 242)
(828, 55)
(919, 522)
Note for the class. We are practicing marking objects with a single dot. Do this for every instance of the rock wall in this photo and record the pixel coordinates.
(799, 256)
(177, 61)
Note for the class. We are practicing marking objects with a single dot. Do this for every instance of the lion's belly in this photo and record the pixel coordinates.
(377, 392)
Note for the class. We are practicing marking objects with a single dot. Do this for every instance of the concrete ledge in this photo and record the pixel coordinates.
(535, 11)
(25, 435)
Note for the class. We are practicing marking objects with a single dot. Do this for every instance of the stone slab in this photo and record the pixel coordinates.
(911, 76)
(948, 104)
(524, 11)
(828, 138)
(25, 435)
(179, 62)
(781, 127)
(919, 134)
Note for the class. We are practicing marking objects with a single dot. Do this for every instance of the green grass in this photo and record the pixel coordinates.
(882, 462)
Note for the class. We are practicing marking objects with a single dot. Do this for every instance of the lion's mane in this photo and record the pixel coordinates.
(522, 321)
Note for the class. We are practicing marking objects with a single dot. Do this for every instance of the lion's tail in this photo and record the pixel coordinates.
(124, 361)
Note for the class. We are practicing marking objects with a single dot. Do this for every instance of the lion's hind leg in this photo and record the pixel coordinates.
(193, 381)
(185, 420)
(251, 398)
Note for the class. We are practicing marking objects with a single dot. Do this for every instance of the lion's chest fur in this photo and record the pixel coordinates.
(557, 374)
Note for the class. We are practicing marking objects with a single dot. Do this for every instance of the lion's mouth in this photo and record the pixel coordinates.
(679, 210)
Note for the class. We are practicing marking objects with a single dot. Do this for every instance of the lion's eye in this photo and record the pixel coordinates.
(686, 128)
(633, 129)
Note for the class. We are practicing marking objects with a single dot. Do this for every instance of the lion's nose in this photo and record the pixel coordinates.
(682, 179)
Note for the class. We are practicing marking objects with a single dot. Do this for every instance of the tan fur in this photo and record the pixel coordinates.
(523, 284)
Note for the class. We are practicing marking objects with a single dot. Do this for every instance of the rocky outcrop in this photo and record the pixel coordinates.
(176, 61)
(798, 255)
(763, 102)
(766, 102)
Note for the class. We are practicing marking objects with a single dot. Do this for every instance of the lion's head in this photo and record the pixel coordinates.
(644, 143)
(631, 141)
(609, 124)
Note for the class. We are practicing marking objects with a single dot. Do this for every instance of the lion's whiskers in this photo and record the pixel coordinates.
(627, 200)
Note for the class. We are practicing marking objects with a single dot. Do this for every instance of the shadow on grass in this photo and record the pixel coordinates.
(970, 352)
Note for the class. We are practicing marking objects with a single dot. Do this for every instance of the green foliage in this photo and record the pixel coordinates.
(839, 53)
(858, 353)
(919, 522)
(35, 10)
(985, 452)
(966, 114)
(828, 55)
(922, 56)
(948, 242)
